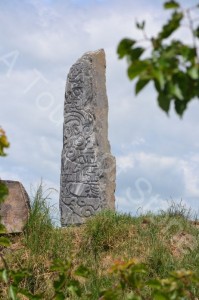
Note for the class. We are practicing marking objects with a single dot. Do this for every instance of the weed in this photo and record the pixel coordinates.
(177, 210)
(39, 227)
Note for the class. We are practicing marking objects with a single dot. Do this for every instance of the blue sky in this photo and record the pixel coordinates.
(157, 156)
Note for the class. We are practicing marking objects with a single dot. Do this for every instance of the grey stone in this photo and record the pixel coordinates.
(87, 167)
(14, 211)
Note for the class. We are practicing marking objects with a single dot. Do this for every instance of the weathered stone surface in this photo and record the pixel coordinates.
(87, 167)
(15, 209)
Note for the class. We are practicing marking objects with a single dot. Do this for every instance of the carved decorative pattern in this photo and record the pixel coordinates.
(80, 196)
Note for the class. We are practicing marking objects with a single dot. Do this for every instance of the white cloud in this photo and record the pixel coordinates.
(125, 162)
(155, 179)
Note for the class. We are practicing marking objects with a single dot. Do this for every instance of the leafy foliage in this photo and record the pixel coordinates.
(12, 280)
(3, 188)
(171, 4)
(172, 65)
(3, 142)
(132, 285)
(130, 277)
(67, 284)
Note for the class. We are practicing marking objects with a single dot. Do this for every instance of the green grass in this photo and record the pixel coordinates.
(105, 231)
(164, 242)
(39, 228)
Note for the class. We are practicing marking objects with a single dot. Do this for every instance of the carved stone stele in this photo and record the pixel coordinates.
(14, 211)
(87, 167)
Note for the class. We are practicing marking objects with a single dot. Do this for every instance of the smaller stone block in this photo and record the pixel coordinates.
(14, 211)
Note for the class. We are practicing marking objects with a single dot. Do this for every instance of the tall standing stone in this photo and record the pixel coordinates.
(87, 166)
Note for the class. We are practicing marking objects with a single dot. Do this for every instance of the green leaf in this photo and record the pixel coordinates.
(60, 296)
(172, 25)
(29, 295)
(188, 53)
(82, 271)
(12, 292)
(180, 107)
(136, 68)
(136, 53)
(139, 268)
(58, 284)
(74, 287)
(194, 72)
(5, 242)
(141, 83)
(4, 275)
(19, 276)
(154, 283)
(176, 91)
(159, 76)
(124, 47)
(109, 294)
(171, 4)
(3, 142)
(60, 266)
(160, 296)
(164, 102)
(131, 296)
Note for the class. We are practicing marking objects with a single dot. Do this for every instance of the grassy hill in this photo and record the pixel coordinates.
(164, 243)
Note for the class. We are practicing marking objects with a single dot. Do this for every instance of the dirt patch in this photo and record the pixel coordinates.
(182, 243)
